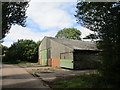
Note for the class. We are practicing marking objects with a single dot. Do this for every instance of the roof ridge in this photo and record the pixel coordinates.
(75, 44)
(69, 39)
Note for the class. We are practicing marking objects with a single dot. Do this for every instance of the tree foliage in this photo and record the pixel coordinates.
(23, 50)
(38, 43)
(104, 18)
(13, 13)
(4, 49)
(70, 33)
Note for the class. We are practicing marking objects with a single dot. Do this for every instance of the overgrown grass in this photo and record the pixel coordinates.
(28, 63)
(18, 62)
(84, 81)
(49, 69)
(11, 62)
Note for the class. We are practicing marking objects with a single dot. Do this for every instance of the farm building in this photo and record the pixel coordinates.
(73, 54)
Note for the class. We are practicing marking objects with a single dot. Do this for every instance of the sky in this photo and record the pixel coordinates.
(46, 18)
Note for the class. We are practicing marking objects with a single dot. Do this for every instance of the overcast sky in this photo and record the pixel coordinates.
(46, 18)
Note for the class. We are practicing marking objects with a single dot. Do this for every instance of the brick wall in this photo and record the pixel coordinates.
(55, 62)
(40, 61)
(50, 62)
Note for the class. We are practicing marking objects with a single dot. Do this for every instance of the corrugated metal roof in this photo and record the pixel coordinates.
(76, 44)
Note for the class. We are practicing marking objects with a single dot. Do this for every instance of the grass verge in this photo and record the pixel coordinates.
(28, 63)
(21, 63)
(83, 81)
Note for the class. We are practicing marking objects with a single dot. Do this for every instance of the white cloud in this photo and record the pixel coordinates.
(8, 44)
(84, 31)
(18, 32)
(50, 15)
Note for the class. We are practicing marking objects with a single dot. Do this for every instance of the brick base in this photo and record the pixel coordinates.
(40, 61)
(50, 62)
(55, 62)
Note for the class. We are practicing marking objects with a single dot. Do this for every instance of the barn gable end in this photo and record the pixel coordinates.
(67, 53)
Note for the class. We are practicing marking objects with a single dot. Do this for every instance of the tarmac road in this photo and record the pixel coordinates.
(14, 76)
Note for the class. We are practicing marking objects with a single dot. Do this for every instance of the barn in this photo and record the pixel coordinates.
(73, 54)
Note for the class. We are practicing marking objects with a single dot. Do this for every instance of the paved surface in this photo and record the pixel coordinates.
(55, 76)
(62, 75)
(16, 77)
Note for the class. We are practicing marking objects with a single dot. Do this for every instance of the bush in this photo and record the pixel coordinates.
(23, 50)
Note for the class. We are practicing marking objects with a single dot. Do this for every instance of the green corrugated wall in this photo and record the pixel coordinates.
(67, 63)
(44, 57)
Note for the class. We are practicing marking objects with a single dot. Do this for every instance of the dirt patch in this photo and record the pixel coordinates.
(44, 69)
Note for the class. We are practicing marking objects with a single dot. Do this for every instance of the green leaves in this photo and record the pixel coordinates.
(23, 50)
(89, 13)
(13, 13)
(70, 33)
(104, 18)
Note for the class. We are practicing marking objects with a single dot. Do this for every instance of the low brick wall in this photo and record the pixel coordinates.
(50, 62)
(40, 61)
(55, 62)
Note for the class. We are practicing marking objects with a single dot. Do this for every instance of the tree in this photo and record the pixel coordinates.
(4, 50)
(38, 43)
(104, 18)
(13, 13)
(70, 33)
(23, 50)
